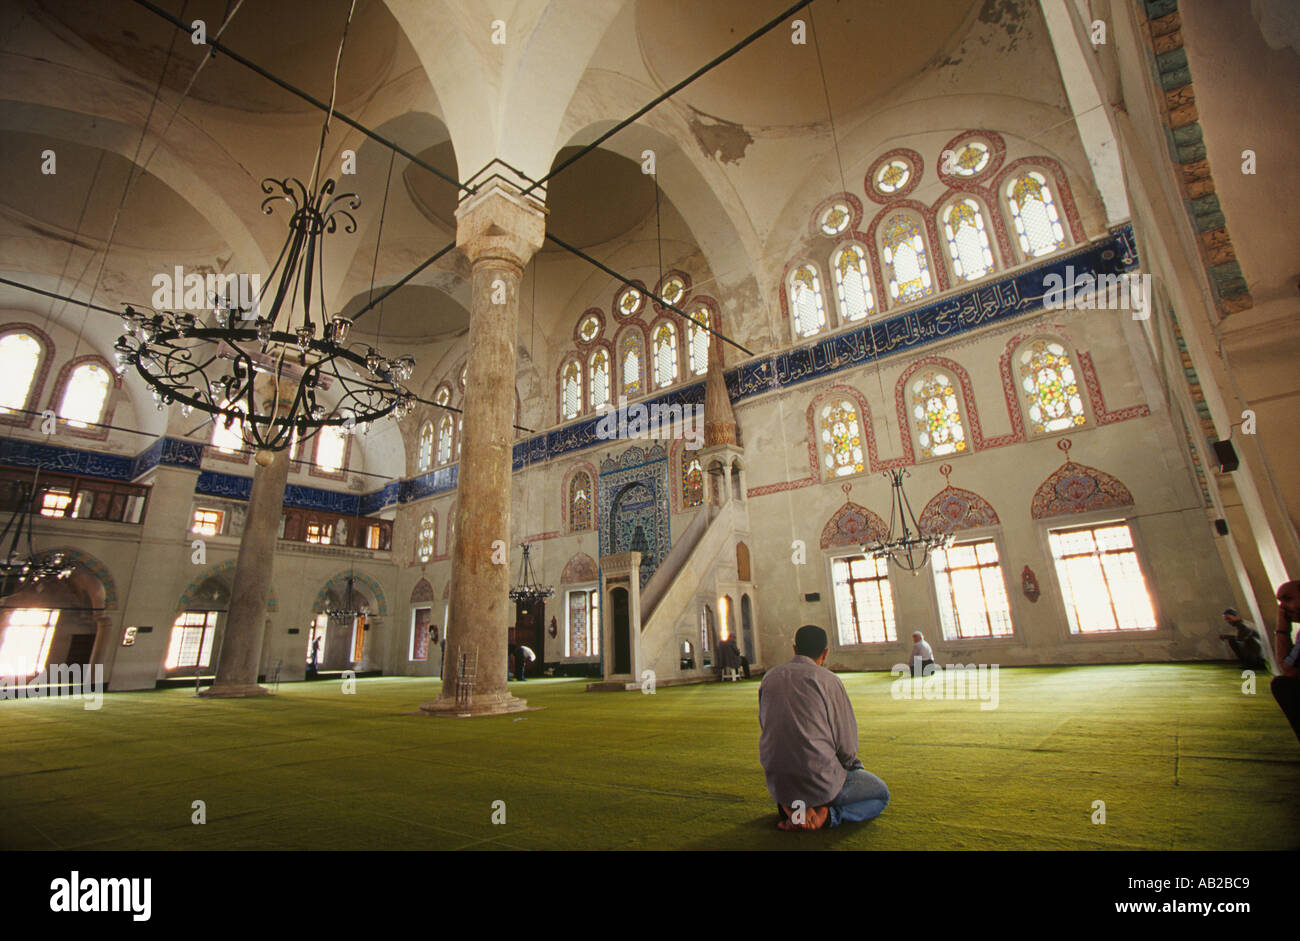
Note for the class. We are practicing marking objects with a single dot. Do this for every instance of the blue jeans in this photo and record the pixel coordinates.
(863, 797)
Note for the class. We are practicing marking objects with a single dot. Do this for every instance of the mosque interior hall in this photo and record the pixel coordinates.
(413, 406)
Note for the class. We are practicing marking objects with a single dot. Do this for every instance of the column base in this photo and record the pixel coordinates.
(492, 705)
(235, 691)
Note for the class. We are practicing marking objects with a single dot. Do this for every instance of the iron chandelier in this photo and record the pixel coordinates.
(528, 590)
(350, 609)
(20, 570)
(911, 548)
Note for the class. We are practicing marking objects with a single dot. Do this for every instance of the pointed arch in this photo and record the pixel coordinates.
(580, 568)
(1077, 488)
(953, 509)
(422, 591)
(969, 408)
(226, 572)
(340, 580)
(96, 569)
(571, 478)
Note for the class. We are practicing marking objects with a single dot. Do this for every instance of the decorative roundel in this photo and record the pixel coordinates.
(835, 218)
(971, 155)
(589, 326)
(894, 175)
(629, 302)
(673, 288)
(443, 395)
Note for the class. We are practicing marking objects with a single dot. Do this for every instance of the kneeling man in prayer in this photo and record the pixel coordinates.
(809, 742)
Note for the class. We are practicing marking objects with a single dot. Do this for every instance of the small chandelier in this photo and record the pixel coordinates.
(19, 570)
(266, 369)
(350, 609)
(911, 548)
(528, 591)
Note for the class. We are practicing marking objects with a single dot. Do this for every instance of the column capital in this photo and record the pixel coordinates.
(498, 223)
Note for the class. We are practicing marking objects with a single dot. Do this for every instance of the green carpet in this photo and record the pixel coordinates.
(1182, 759)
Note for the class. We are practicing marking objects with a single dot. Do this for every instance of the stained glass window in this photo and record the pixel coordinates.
(443, 397)
(968, 240)
(571, 396)
(425, 537)
(1047, 377)
(806, 306)
(893, 176)
(632, 353)
(835, 219)
(331, 449)
(227, 434)
(630, 301)
(20, 353)
(464, 375)
(665, 353)
(939, 427)
(698, 341)
(426, 446)
(444, 440)
(84, 395)
(841, 431)
(692, 481)
(969, 159)
(580, 502)
(598, 370)
(903, 249)
(852, 283)
(582, 639)
(1038, 224)
(673, 289)
(589, 328)
(460, 426)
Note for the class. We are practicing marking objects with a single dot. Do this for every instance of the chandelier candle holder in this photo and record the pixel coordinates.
(911, 548)
(529, 591)
(350, 610)
(19, 569)
(268, 372)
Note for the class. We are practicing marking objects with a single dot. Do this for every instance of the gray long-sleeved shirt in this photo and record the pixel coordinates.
(810, 735)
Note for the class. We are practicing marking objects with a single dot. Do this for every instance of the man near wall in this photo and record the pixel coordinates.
(1286, 686)
(1244, 641)
(809, 742)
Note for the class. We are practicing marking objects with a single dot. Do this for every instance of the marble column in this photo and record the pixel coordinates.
(241, 644)
(498, 231)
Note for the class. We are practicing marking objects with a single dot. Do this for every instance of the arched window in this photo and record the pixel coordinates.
(20, 354)
(807, 309)
(665, 354)
(852, 283)
(1051, 389)
(571, 389)
(460, 426)
(425, 459)
(841, 434)
(464, 376)
(968, 240)
(692, 480)
(906, 260)
(424, 538)
(331, 449)
(85, 395)
(631, 356)
(444, 440)
(697, 341)
(580, 502)
(598, 380)
(939, 428)
(672, 289)
(1038, 224)
(227, 432)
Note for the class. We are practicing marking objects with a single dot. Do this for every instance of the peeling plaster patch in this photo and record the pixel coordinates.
(724, 139)
(1010, 15)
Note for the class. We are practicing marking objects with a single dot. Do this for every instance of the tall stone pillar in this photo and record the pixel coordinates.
(241, 643)
(499, 231)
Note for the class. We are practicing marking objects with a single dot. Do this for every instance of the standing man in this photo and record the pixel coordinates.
(1244, 641)
(809, 743)
(1286, 686)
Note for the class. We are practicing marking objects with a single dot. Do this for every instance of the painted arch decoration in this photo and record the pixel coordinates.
(339, 581)
(1077, 488)
(580, 568)
(953, 509)
(852, 525)
(422, 591)
(226, 569)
